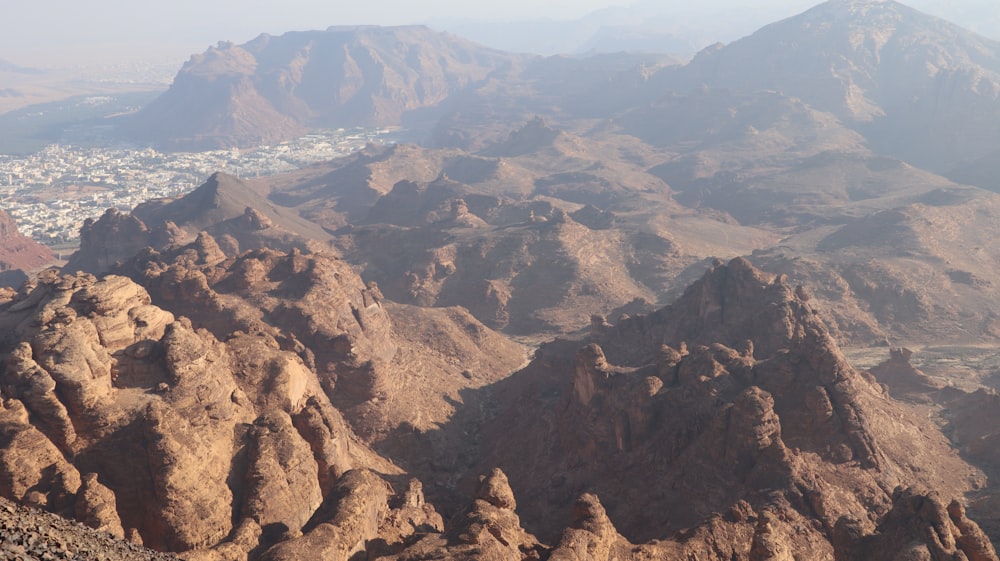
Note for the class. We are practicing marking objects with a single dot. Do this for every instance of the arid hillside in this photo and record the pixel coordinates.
(274, 88)
(609, 308)
(18, 253)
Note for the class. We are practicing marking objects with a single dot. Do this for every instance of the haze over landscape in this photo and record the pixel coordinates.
(512, 282)
(108, 32)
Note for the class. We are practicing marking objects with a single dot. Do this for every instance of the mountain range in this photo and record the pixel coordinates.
(607, 309)
(785, 144)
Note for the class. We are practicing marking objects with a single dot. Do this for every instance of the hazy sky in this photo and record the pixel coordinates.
(33, 32)
(40, 32)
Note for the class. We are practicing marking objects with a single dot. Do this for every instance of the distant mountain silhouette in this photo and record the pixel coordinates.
(273, 88)
(8, 66)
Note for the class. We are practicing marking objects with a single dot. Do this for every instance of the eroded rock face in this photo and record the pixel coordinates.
(282, 485)
(223, 207)
(490, 523)
(919, 526)
(96, 507)
(187, 441)
(32, 469)
(316, 309)
(111, 239)
(219, 434)
(734, 393)
(358, 505)
(19, 253)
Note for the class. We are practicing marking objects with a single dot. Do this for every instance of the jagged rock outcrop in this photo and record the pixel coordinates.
(209, 428)
(903, 380)
(523, 268)
(734, 393)
(111, 239)
(160, 415)
(96, 507)
(18, 253)
(282, 487)
(491, 527)
(919, 526)
(319, 312)
(488, 529)
(32, 469)
(591, 535)
(213, 428)
(223, 206)
(356, 516)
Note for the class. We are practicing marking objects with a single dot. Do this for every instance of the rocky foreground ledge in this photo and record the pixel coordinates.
(29, 534)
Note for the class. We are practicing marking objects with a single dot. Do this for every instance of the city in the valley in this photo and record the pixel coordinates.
(50, 193)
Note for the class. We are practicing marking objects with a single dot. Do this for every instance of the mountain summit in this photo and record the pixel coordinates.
(905, 79)
(274, 87)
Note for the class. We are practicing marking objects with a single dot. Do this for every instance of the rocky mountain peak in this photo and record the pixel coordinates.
(851, 58)
(739, 372)
(855, 8)
(532, 137)
(282, 85)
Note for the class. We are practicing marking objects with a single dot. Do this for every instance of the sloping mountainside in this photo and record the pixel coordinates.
(735, 392)
(18, 253)
(928, 268)
(919, 88)
(231, 432)
(273, 88)
(544, 228)
(667, 166)
(223, 206)
(535, 234)
(217, 426)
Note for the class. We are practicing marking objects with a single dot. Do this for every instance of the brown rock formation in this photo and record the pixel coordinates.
(919, 526)
(32, 469)
(282, 487)
(524, 267)
(784, 423)
(19, 253)
(314, 306)
(111, 239)
(218, 435)
(487, 529)
(358, 505)
(95, 507)
(903, 380)
(491, 526)
(223, 206)
(160, 416)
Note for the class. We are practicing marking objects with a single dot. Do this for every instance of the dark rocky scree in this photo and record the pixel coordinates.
(27, 534)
